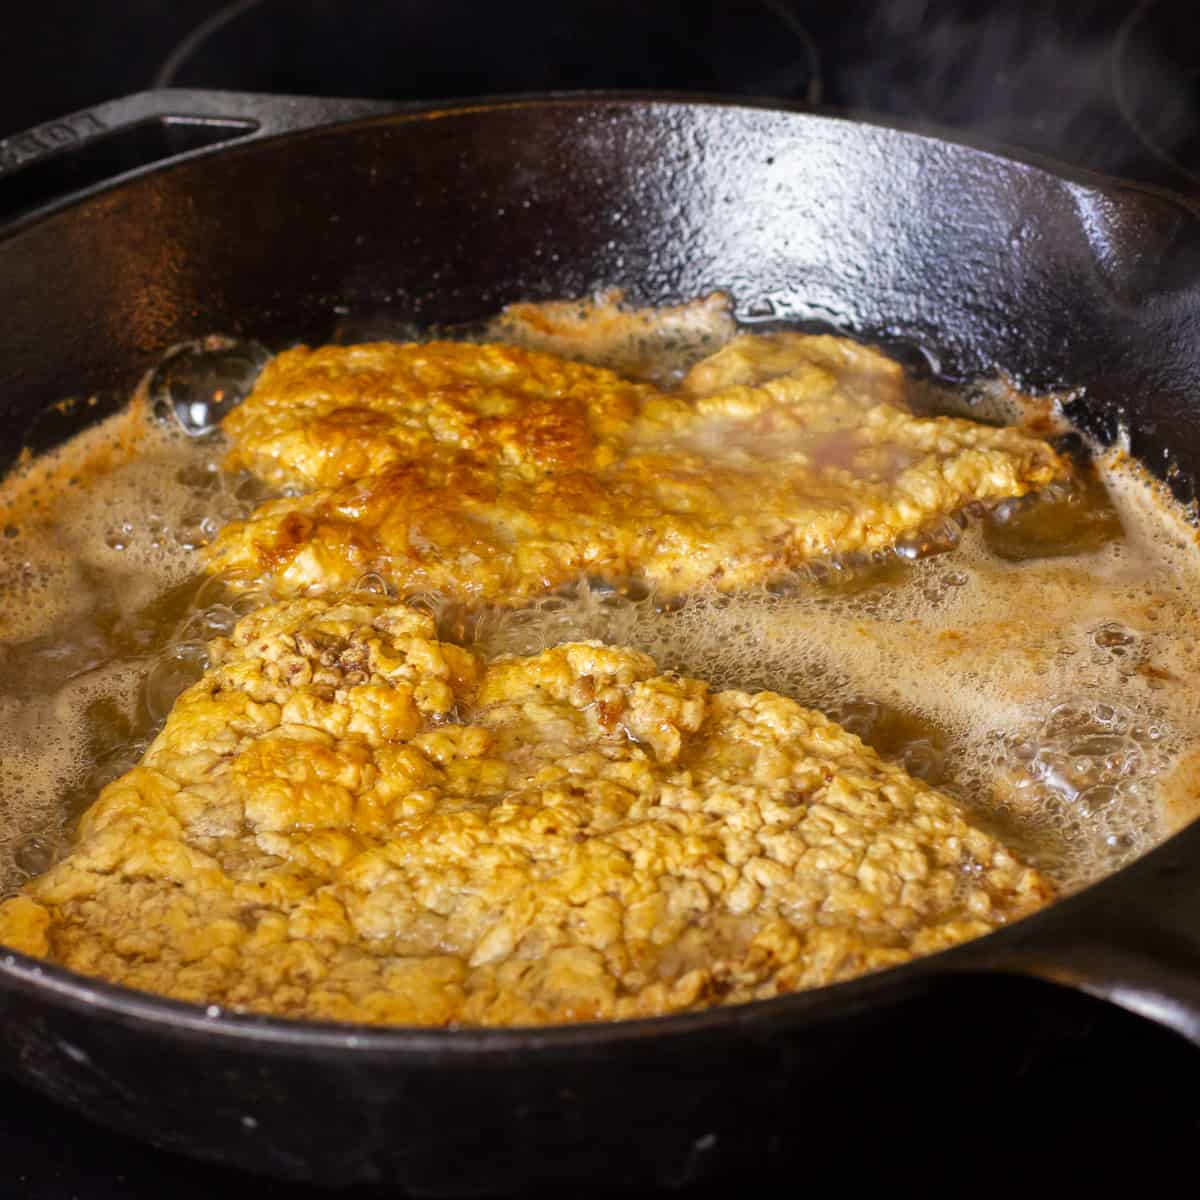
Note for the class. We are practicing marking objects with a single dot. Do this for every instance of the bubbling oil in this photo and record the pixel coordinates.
(1044, 683)
(104, 616)
(1034, 661)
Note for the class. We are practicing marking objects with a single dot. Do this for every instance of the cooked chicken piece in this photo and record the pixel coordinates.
(492, 475)
(348, 819)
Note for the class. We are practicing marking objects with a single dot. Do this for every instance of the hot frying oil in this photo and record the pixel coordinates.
(1034, 661)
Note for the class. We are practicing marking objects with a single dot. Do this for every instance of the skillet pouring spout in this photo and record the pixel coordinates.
(441, 215)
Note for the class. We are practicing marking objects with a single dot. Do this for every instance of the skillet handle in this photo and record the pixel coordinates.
(62, 160)
(1132, 939)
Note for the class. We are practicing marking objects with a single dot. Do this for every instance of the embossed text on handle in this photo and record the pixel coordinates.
(17, 151)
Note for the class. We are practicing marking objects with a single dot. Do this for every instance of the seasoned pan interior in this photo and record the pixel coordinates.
(798, 286)
(973, 261)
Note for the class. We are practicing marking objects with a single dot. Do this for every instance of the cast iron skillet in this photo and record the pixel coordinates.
(443, 214)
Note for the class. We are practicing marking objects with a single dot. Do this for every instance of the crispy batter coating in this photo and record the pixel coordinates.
(491, 474)
(348, 819)
(319, 418)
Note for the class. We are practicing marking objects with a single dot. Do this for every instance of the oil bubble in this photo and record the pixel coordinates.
(197, 383)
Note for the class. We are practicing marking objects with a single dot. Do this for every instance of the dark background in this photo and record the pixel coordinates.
(1110, 84)
(1105, 85)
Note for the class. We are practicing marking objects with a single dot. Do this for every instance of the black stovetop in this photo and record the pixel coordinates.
(1108, 85)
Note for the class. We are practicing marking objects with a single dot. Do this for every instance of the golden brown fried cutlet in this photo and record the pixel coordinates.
(346, 818)
(492, 474)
